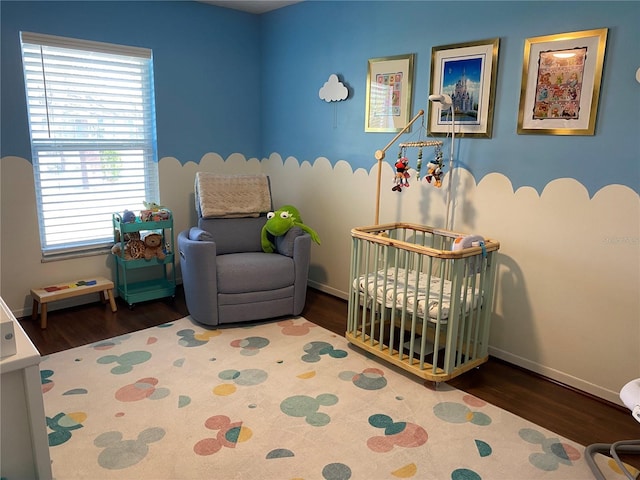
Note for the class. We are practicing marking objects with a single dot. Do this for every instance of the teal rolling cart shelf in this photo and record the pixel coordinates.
(139, 279)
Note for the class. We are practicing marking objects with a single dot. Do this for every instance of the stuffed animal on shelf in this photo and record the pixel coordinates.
(155, 215)
(133, 248)
(154, 207)
(280, 222)
(153, 246)
(128, 216)
(154, 212)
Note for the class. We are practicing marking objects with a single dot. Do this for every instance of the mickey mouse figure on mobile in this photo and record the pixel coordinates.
(402, 172)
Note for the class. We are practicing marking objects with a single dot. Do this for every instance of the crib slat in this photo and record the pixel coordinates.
(454, 313)
(414, 312)
(462, 326)
(470, 347)
(438, 322)
(354, 303)
(374, 304)
(489, 285)
(363, 249)
(425, 320)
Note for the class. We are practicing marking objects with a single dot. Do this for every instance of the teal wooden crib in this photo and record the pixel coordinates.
(421, 298)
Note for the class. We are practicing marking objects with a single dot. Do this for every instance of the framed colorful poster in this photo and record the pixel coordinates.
(561, 77)
(466, 72)
(389, 93)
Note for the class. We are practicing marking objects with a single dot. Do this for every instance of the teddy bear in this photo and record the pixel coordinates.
(153, 246)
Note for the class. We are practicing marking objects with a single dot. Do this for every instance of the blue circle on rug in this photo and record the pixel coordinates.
(279, 453)
(484, 449)
(336, 471)
(465, 474)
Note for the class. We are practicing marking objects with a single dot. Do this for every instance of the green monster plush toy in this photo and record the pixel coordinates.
(280, 222)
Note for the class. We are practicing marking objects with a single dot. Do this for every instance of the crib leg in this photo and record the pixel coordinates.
(431, 385)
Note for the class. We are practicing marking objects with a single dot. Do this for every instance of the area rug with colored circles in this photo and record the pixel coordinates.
(279, 400)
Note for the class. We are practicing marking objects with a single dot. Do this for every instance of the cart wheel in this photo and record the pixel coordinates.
(132, 306)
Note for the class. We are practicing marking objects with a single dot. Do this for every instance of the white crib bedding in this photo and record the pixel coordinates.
(375, 287)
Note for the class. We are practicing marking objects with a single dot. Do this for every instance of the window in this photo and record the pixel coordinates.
(93, 141)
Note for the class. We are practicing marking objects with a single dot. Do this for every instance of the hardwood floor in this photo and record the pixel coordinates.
(567, 412)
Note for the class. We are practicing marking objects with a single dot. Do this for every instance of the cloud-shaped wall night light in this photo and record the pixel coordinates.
(333, 90)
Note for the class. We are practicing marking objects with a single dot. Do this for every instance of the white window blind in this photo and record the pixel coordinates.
(92, 123)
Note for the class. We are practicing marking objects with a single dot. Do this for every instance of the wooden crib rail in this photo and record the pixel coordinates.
(378, 234)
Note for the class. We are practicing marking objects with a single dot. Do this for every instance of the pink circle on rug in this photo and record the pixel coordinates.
(140, 390)
(473, 401)
(207, 446)
(572, 452)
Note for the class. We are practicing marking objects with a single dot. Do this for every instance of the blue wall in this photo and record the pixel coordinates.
(305, 43)
(228, 81)
(206, 62)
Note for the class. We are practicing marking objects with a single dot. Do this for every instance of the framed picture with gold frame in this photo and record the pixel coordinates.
(466, 72)
(389, 93)
(561, 77)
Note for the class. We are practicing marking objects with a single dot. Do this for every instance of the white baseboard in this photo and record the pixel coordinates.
(557, 375)
(329, 290)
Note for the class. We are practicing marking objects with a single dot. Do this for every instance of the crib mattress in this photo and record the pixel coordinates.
(374, 284)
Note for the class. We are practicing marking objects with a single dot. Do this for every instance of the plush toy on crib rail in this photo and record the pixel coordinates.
(280, 222)
(474, 263)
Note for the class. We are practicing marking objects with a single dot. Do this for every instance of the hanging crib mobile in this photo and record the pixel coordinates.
(434, 168)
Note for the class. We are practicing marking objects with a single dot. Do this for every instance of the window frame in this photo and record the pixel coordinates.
(137, 143)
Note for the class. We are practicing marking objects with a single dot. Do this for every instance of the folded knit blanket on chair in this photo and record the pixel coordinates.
(231, 196)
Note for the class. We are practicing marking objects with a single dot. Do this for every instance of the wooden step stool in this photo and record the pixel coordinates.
(53, 293)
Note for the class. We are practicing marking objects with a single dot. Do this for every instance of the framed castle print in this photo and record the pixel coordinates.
(561, 76)
(389, 93)
(466, 72)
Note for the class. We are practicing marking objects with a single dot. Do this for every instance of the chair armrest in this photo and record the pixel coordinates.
(198, 266)
(285, 245)
(189, 247)
(200, 235)
(301, 258)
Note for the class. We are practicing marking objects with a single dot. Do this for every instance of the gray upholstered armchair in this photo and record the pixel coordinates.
(227, 278)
